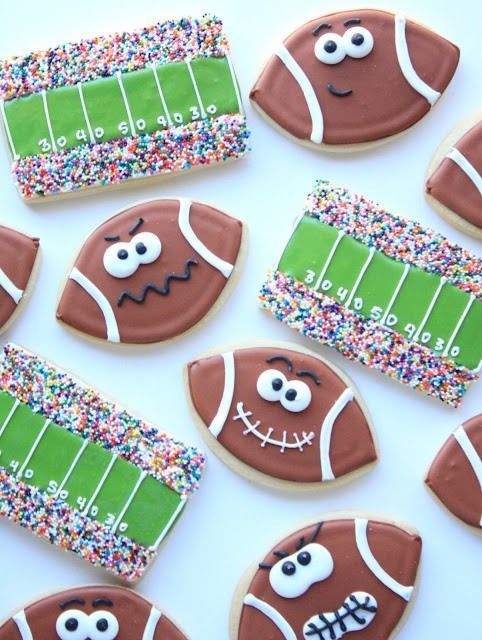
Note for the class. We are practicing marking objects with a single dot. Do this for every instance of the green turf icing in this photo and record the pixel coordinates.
(409, 300)
(107, 488)
(155, 98)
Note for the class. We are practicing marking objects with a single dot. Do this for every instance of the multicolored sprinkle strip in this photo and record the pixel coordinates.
(401, 239)
(323, 319)
(59, 524)
(84, 412)
(103, 56)
(199, 143)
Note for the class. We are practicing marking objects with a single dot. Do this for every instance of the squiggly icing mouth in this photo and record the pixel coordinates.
(355, 614)
(340, 93)
(297, 443)
(162, 291)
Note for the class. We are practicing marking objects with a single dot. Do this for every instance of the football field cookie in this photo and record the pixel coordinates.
(455, 475)
(151, 272)
(382, 290)
(352, 79)
(454, 181)
(129, 105)
(82, 472)
(281, 416)
(102, 612)
(18, 264)
(342, 575)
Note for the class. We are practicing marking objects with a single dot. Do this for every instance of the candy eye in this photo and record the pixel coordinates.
(296, 396)
(330, 48)
(270, 385)
(358, 42)
(72, 625)
(103, 626)
(292, 576)
(121, 260)
(147, 247)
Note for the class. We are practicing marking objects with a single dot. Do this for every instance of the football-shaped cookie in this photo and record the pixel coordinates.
(18, 254)
(354, 77)
(91, 613)
(151, 272)
(454, 183)
(340, 576)
(455, 475)
(281, 414)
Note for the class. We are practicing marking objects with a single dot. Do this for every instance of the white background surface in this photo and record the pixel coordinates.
(229, 523)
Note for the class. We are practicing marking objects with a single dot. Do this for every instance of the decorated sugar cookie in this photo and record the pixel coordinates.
(18, 258)
(454, 181)
(151, 272)
(84, 474)
(101, 612)
(383, 291)
(354, 78)
(130, 105)
(280, 414)
(455, 475)
(339, 576)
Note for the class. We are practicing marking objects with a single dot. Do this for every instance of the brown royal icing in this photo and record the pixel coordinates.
(349, 447)
(100, 608)
(17, 258)
(142, 314)
(377, 100)
(452, 477)
(451, 186)
(327, 565)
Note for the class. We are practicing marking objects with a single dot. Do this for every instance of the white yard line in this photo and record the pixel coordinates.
(161, 95)
(329, 259)
(126, 103)
(8, 132)
(360, 277)
(406, 269)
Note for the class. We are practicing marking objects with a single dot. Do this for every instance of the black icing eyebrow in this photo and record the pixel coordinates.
(111, 238)
(323, 25)
(284, 359)
(71, 601)
(310, 374)
(352, 21)
(102, 602)
(136, 226)
(302, 543)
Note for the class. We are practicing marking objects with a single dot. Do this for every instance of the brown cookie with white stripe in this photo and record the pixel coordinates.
(152, 272)
(342, 575)
(454, 180)
(351, 79)
(281, 415)
(455, 475)
(101, 612)
(18, 259)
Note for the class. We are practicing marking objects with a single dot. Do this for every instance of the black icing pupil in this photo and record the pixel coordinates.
(102, 625)
(304, 558)
(122, 254)
(288, 568)
(291, 394)
(71, 624)
(330, 46)
(141, 248)
(277, 384)
(357, 39)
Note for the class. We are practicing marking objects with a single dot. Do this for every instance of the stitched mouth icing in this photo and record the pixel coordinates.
(356, 613)
(296, 443)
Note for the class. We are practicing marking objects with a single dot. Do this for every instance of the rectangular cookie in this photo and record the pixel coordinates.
(103, 110)
(82, 472)
(383, 291)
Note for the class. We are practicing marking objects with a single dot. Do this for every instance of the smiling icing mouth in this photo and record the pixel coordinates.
(162, 291)
(355, 614)
(340, 93)
(297, 443)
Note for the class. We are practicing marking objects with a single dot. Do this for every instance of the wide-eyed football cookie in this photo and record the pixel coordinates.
(278, 414)
(455, 475)
(454, 181)
(99, 612)
(342, 575)
(151, 272)
(18, 256)
(354, 78)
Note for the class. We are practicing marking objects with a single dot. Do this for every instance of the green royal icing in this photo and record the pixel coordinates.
(306, 256)
(107, 113)
(147, 515)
